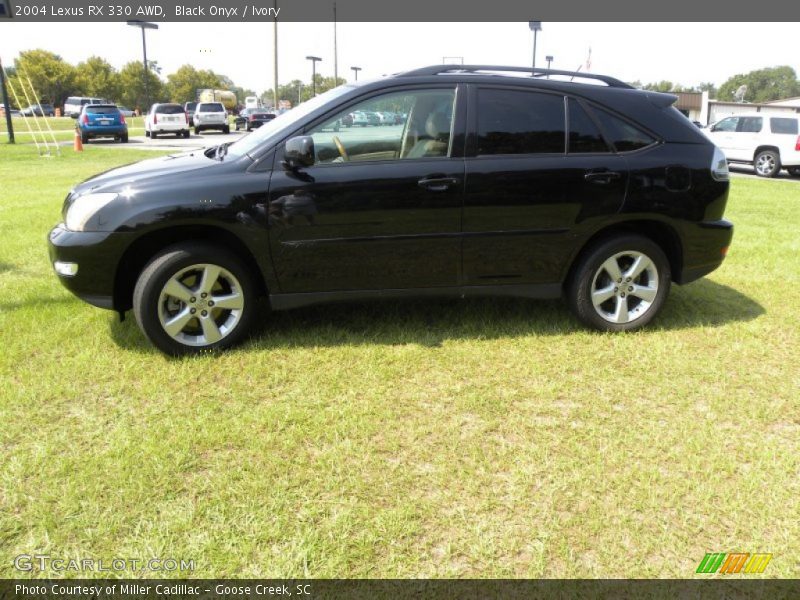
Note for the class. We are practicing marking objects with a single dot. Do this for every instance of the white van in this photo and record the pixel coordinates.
(768, 142)
(253, 102)
(74, 104)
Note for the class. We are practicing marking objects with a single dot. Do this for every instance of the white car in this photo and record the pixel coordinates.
(211, 115)
(166, 118)
(769, 142)
(74, 104)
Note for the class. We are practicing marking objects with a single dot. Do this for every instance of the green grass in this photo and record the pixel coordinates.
(479, 438)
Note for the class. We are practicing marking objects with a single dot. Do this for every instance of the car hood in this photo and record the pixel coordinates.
(141, 172)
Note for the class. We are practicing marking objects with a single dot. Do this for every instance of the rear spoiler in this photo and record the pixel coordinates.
(662, 100)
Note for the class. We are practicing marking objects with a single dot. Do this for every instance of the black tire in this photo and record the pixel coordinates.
(84, 138)
(153, 135)
(147, 295)
(767, 163)
(186, 134)
(197, 131)
(248, 129)
(794, 171)
(590, 275)
(124, 138)
(226, 129)
(146, 133)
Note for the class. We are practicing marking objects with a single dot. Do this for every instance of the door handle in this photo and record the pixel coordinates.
(602, 177)
(437, 184)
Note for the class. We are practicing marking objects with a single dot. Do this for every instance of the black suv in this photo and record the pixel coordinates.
(496, 181)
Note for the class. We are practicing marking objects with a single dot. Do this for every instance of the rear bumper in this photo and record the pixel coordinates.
(705, 246)
(104, 131)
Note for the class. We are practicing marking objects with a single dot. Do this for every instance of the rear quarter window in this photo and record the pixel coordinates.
(623, 135)
(783, 125)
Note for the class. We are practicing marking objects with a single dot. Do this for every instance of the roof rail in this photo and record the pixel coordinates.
(535, 72)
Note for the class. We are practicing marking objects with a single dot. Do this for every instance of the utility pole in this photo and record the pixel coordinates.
(275, 56)
(6, 104)
(335, 51)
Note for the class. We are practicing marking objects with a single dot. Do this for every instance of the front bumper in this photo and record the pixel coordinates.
(705, 247)
(96, 255)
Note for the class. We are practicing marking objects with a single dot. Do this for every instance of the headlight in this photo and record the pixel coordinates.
(84, 208)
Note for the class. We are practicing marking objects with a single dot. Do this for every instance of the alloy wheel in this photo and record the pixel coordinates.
(624, 287)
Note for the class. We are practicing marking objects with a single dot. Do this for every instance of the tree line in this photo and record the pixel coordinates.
(763, 85)
(54, 80)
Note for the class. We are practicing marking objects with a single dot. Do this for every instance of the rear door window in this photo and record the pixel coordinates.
(520, 122)
(783, 125)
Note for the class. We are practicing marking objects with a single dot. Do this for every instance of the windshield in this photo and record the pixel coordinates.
(284, 123)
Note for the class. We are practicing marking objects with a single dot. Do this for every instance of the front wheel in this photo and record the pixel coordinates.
(767, 163)
(620, 284)
(194, 297)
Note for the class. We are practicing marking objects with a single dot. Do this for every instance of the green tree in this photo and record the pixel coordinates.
(96, 77)
(132, 89)
(182, 85)
(763, 85)
(52, 78)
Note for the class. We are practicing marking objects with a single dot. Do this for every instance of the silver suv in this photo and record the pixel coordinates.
(211, 115)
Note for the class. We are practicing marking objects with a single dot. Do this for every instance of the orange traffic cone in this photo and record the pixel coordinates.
(78, 145)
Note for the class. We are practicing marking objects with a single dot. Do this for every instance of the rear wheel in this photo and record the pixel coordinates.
(226, 129)
(194, 297)
(124, 138)
(153, 135)
(197, 131)
(767, 163)
(794, 171)
(84, 138)
(186, 134)
(620, 284)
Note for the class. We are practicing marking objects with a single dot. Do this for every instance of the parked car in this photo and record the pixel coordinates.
(102, 120)
(190, 107)
(768, 142)
(74, 104)
(166, 118)
(40, 110)
(211, 115)
(602, 194)
(252, 118)
(125, 111)
(14, 112)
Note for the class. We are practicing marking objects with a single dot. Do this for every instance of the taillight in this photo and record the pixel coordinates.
(155, 118)
(252, 117)
(122, 118)
(797, 144)
(85, 119)
(186, 114)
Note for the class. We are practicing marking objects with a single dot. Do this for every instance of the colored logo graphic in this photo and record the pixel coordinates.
(741, 562)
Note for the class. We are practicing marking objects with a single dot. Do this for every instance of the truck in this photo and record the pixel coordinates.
(253, 102)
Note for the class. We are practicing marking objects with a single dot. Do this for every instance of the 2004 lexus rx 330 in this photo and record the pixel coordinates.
(488, 183)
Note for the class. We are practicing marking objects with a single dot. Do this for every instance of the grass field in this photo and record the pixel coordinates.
(479, 438)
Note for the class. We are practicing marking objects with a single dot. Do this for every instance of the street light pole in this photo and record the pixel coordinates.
(144, 25)
(549, 59)
(275, 57)
(535, 27)
(355, 71)
(313, 60)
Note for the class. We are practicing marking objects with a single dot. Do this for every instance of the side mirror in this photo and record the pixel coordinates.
(299, 153)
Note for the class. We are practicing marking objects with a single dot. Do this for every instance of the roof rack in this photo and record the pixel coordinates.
(535, 72)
